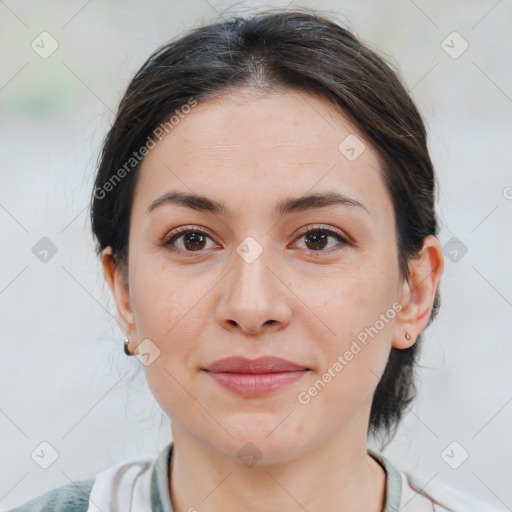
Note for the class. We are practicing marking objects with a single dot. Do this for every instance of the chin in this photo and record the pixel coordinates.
(255, 446)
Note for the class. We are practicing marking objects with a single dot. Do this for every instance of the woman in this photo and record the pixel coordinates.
(264, 210)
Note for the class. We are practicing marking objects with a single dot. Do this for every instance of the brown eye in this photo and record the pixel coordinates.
(192, 240)
(317, 239)
(187, 240)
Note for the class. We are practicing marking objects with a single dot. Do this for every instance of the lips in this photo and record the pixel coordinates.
(253, 378)
(265, 364)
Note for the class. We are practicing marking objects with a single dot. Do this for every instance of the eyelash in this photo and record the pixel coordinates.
(179, 232)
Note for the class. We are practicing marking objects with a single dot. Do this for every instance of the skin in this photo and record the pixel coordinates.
(250, 151)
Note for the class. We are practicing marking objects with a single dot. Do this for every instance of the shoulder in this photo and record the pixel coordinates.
(133, 482)
(441, 496)
(72, 497)
(416, 492)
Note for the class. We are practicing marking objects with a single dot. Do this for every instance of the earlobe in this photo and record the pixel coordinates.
(120, 292)
(405, 335)
(418, 293)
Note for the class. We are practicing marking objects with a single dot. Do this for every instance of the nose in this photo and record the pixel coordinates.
(254, 297)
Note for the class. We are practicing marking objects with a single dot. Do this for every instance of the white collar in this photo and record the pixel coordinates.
(125, 486)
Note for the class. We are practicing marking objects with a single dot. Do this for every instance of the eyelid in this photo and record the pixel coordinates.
(323, 227)
(183, 229)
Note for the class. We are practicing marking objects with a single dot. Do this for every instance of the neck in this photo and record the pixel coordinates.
(337, 475)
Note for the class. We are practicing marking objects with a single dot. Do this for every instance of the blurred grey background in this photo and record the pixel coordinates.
(64, 379)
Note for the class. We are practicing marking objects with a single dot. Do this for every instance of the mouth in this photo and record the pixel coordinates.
(265, 364)
(256, 377)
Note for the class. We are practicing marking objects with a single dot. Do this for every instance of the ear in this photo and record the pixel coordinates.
(120, 293)
(418, 293)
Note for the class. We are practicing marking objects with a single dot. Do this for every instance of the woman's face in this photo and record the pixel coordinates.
(251, 281)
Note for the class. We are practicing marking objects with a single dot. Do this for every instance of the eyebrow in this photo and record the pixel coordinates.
(292, 204)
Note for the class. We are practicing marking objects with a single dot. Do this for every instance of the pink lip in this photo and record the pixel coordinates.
(256, 377)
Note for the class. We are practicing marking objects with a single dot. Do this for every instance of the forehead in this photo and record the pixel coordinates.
(248, 147)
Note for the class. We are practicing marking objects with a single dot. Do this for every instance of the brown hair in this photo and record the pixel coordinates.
(270, 51)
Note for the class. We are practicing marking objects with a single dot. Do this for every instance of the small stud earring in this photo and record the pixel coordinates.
(407, 336)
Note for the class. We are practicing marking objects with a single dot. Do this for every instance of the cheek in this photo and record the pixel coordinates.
(358, 312)
(167, 312)
(341, 302)
(163, 303)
